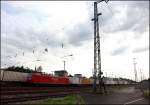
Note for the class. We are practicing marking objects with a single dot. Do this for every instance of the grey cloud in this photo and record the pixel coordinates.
(140, 49)
(119, 51)
(137, 17)
(6, 62)
(18, 33)
(10, 9)
(142, 4)
(48, 39)
(7, 7)
(19, 42)
(7, 50)
(27, 40)
(79, 33)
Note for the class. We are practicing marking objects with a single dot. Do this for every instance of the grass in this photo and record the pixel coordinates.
(67, 100)
(147, 93)
(71, 99)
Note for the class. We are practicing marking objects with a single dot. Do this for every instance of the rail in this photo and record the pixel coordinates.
(17, 95)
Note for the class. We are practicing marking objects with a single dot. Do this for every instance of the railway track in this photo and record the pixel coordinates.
(33, 97)
(13, 95)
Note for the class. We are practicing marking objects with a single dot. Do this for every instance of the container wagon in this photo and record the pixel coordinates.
(86, 81)
(74, 81)
(14, 76)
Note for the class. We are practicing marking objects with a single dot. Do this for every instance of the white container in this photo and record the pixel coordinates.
(126, 82)
(74, 80)
(14, 76)
(120, 81)
(110, 81)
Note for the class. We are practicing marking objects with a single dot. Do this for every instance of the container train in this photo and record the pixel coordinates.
(41, 78)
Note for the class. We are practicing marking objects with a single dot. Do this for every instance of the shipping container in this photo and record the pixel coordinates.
(126, 82)
(14, 76)
(74, 80)
(120, 81)
(110, 81)
(86, 81)
(123, 82)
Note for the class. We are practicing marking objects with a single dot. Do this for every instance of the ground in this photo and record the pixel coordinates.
(71, 99)
(125, 95)
(116, 95)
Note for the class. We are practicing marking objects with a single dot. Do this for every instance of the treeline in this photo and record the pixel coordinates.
(20, 69)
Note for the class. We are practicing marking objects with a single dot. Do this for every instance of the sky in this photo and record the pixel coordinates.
(30, 27)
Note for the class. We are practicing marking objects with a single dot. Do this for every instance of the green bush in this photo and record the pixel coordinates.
(146, 93)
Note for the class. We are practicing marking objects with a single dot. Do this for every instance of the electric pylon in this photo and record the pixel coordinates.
(97, 55)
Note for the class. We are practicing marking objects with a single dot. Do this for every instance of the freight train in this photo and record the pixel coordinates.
(42, 78)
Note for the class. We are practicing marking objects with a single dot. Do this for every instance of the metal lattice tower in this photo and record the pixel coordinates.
(97, 54)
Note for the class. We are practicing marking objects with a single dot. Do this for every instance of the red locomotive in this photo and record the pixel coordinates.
(60, 77)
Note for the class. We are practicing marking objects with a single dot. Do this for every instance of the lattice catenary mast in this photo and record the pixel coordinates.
(97, 54)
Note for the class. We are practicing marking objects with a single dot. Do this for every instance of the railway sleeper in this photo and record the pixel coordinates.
(15, 100)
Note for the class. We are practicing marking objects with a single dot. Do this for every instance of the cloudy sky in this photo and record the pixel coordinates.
(29, 27)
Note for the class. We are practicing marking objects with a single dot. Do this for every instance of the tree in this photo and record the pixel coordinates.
(70, 75)
(20, 69)
(39, 69)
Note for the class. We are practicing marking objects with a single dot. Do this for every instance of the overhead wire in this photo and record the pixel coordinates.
(113, 14)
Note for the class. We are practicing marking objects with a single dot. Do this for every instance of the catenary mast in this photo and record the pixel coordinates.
(97, 54)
